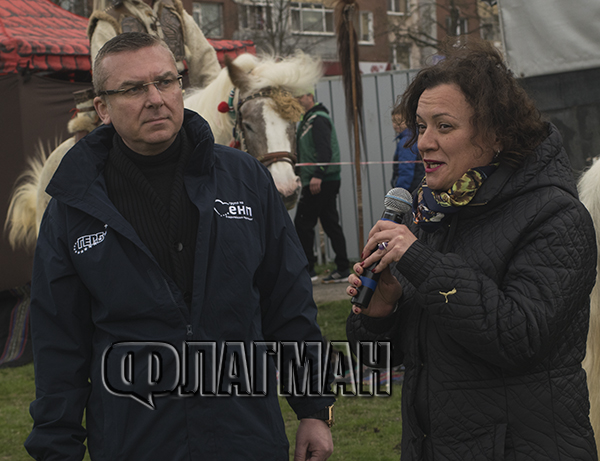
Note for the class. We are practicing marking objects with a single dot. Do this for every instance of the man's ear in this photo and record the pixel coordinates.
(102, 110)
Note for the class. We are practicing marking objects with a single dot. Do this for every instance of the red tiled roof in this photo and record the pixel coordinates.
(41, 36)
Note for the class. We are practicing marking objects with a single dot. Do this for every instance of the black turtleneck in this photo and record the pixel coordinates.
(159, 169)
(149, 192)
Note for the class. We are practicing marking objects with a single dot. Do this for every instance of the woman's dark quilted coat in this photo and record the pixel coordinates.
(493, 322)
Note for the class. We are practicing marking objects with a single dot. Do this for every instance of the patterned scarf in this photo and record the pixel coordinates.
(432, 209)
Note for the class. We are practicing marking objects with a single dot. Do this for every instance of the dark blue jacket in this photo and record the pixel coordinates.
(407, 175)
(96, 284)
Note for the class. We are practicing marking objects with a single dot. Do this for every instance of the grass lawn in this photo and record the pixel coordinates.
(366, 428)
(17, 390)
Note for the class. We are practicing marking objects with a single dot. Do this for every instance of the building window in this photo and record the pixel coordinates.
(487, 32)
(209, 16)
(82, 8)
(255, 16)
(398, 6)
(460, 27)
(311, 18)
(364, 28)
(401, 57)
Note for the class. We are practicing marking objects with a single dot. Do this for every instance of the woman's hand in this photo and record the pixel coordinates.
(388, 241)
(384, 299)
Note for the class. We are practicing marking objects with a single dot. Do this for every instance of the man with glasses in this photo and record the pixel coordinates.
(167, 271)
(166, 19)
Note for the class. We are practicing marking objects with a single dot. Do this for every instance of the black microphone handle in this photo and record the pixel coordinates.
(369, 279)
(369, 283)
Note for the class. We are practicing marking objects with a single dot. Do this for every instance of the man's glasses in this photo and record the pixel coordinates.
(164, 85)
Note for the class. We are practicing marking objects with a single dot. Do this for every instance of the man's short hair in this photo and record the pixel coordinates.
(128, 41)
(304, 91)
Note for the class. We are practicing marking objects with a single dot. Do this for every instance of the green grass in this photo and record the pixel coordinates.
(17, 390)
(322, 269)
(365, 428)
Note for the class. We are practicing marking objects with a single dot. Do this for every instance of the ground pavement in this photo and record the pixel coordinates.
(325, 292)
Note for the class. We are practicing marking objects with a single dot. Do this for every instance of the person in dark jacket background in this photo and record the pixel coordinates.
(485, 296)
(316, 142)
(408, 171)
(160, 250)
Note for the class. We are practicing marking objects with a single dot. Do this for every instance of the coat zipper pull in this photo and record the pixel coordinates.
(189, 330)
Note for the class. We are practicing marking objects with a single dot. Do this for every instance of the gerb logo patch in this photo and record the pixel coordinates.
(85, 242)
(233, 210)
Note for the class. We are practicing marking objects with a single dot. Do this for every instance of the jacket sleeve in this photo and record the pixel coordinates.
(361, 328)
(199, 54)
(545, 288)
(61, 330)
(288, 309)
(321, 133)
(404, 172)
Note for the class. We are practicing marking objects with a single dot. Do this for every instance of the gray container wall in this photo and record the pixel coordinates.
(570, 100)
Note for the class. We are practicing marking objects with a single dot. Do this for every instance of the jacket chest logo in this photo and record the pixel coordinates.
(85, 242)
(233, 210)
(445, 295)
(305, 130)
(307, 125)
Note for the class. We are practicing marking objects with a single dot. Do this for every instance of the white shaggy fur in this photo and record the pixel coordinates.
(589, 192)
(206, 100)
(29, 199)
(294, 73)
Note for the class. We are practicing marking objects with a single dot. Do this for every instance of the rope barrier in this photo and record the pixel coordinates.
(385, 162)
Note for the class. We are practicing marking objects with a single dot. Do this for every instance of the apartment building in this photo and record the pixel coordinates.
(281, 26)
(392, 34)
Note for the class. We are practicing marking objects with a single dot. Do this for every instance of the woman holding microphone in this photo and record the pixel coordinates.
(484, 290)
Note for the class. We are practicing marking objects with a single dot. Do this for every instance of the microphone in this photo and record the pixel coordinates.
(396, 202)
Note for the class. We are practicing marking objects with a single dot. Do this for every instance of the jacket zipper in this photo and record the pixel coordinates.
(185, 312)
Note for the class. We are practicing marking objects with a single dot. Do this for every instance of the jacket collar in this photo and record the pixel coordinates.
(82, 167)
(318, 107)
(548, 166)
(79, 182)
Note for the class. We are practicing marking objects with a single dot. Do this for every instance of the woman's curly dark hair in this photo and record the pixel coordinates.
(502, 109)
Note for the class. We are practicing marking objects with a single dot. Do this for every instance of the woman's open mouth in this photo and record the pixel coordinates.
(431, 166)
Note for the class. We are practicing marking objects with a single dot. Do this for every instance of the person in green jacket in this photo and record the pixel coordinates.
(317, 143)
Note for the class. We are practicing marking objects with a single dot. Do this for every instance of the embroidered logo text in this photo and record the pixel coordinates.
(233, 210)
(85, 242)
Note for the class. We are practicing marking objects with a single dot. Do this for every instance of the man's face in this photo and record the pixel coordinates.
(306, 101)
(148, 122)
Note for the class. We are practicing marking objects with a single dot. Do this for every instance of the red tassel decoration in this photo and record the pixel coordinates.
(223, 107)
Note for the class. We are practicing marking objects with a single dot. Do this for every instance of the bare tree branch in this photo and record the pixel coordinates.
(271, 28)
